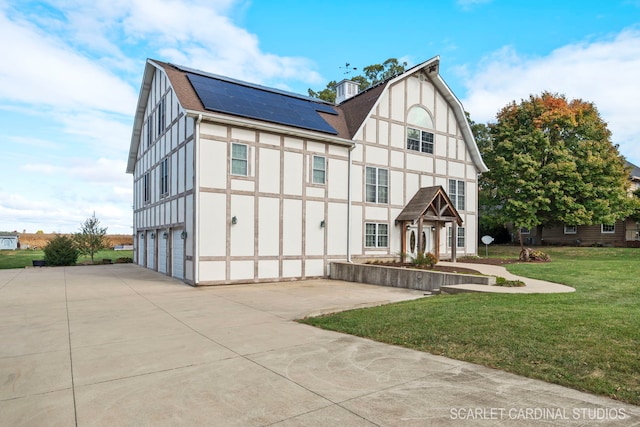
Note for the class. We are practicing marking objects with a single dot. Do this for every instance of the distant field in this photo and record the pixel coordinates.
(24, 257)
(40, 240)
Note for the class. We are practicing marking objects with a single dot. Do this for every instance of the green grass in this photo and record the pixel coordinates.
(588, 340)
(23, 258)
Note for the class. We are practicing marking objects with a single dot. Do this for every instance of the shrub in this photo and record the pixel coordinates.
(528, 254)
(425, 260)
(501, 281)
(61, 250)
(124, 260)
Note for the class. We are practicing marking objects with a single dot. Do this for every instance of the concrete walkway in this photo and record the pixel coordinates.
(532, 286)
(119, 345)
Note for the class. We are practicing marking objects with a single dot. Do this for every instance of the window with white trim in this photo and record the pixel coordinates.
(164, 177)
(149, 131)
(608, 228)
(376, 235)
(570, 229)
(456, 193)
(162, 111)
(419, 140)
(239, 159)
(146, 187)
(319, 172)
(377, 185)
(460, 237)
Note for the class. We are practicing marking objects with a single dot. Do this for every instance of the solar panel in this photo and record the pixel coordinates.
(250, 101)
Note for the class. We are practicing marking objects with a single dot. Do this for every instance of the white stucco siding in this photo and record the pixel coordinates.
(269, 166)
(413, 91)
(208, 129)
(291, 268)
(243, 135)
(268, 226)
(314, 232)
(371, 131)
(242, 234)
(441, 114)
(357, 184)
(213, 153)
(396, 190)
(337, 178)
(213, 270)
(269, 138)
(337, 229)
(189, 170)
(293, 179)
(456, 169)
(428, 96)
(383, 105)
(241, 270)
(383, 132)
(212, 233)
(397, 101)
(412, 185)
(377, 156)
(397, 136)
(292, 227)
(268, 269)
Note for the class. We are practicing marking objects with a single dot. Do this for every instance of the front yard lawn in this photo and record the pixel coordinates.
(24, 258)
(588, 340)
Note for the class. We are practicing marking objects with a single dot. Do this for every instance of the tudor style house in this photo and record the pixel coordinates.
(236, 183)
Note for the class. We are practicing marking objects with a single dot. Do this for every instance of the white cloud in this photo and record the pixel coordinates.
(604, 72)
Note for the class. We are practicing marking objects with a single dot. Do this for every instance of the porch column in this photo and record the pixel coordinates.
(419, 239)
(403, 241)
(437, 242)
(454, 240)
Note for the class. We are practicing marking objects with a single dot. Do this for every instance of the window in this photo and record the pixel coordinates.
(419, 140)
(164, 177)
(376, 235)
(608, 228)
(319, 170)
(525, 230)
(456, 193)
(146, 189)
(570, 229)
(239, 159)
(162, 108)
(460, 240)
(377, 185)
(149, 132)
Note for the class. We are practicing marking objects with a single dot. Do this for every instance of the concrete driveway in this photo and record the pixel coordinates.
(119, 345)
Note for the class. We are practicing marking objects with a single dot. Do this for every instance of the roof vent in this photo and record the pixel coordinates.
(346, 89)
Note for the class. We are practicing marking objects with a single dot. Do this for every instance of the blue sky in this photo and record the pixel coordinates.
(71, 69)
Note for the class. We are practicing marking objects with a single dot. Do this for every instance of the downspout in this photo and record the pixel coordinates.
(196, 198)
(349, 204)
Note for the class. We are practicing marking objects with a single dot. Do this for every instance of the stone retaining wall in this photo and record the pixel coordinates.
(398, 277)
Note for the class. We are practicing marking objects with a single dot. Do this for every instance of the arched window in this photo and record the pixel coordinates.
(419, 139)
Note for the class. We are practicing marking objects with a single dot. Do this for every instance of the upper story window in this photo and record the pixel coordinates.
(162, 112)
(419, 139)
(149, 132)
(377, 185)
(239, 159)
(146, 187)
(319, 173)
(608, 228)
(456, 193)
(164, 177)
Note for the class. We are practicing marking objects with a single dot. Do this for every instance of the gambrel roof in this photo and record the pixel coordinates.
(232, 101)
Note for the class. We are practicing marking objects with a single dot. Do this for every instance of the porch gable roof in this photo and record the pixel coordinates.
(431, 203)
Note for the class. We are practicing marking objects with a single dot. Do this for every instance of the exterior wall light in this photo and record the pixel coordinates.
(234, 220)
(153, 236)
(165, 235)
(322, 224)
(183, 235)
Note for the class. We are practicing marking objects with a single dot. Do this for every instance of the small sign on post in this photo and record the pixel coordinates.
(487, 240)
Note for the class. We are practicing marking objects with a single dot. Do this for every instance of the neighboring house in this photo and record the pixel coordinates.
(624, 232)
(236, 183)
(9, 241)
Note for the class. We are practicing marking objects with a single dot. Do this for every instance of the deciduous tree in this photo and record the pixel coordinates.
(372, 75)
(551, 162)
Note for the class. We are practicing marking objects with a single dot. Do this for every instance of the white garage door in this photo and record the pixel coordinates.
(162, 252)
(151, 250)
(141, 249)
(177, 254)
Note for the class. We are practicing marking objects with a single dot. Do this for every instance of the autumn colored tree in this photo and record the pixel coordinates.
(551, 162)
(372, 75)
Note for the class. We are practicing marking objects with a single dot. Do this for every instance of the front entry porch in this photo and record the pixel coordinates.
(423, 219)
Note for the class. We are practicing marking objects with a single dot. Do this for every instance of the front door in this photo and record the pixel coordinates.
(412, 248)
